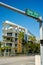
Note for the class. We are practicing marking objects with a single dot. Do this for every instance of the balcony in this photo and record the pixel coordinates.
(9, 41)
(10, 30)
(7, 36)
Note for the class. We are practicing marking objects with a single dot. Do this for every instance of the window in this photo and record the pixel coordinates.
(15, 34)
(15, 44)
(8, 44)
(8, 38)
(15, 51)
(6, 50)
(15, 39)
(9, 34)
(25, 37)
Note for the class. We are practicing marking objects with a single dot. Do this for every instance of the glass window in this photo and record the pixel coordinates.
(15, 34)
(15, 39)
(8, 38)
(9, 34)
(15, 44)
(8, 44)
(15, 51)
(6, 50)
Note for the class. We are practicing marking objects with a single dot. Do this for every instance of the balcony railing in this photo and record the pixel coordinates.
(11, 30)
(5, 35)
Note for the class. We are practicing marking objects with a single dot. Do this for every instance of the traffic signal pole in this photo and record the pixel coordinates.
(18, 10)
(38, 19)
(41, 42)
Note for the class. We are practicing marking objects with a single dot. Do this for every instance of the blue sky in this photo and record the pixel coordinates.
(29, 23)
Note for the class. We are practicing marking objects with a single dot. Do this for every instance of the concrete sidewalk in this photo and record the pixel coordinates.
(26, 60)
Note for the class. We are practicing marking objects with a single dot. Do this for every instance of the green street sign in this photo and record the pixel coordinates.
(32, 13)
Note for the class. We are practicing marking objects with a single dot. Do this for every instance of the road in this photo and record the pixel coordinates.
(23, 60)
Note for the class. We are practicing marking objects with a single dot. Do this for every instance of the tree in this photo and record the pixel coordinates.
(37, 50)
(21, 35)
(24, 44)
(0, 46)
(32, 39)
(33, 46)
(20, 38)
(0, 43)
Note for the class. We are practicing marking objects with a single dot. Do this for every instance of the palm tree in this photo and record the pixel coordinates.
(32, 39)
(2, 48)
(0, 45)
(24, 45)
(31, 47)
(20, 37)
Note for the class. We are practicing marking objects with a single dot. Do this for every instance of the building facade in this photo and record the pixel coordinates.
(10, 37)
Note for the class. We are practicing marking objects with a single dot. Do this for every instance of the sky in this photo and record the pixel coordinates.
(31, 24)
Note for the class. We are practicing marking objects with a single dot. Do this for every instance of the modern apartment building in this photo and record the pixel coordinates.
(10, 37)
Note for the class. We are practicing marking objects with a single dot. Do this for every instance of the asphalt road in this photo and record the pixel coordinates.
(23, 60)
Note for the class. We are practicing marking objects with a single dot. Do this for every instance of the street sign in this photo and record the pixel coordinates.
(32, 13)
